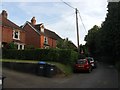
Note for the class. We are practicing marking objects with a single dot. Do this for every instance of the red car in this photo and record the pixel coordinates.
(82, 65)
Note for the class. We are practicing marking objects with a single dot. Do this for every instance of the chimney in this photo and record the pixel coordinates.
(33, 21)
(4, 14)
(42, 27)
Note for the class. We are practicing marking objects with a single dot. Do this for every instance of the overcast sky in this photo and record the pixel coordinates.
(57, 16)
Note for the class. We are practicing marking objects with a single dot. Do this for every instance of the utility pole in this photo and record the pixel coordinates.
(76, 11)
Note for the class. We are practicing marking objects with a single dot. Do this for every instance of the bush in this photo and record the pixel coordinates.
(55, 55)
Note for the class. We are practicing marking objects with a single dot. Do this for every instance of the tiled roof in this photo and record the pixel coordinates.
(52, 34)
(6, 22)
(47, 32)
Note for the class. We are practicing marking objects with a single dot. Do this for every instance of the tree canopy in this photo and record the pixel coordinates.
(104, 41)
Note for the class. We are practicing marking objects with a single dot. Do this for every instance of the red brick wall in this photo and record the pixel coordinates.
(52, 42)
(41, 41)
(22, 36)
(31, 37)
(7, 34)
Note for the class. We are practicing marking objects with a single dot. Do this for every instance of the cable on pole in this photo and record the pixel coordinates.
(68, 4)
(82, 21)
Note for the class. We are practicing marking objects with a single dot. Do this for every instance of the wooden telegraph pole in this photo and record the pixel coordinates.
(76, 11)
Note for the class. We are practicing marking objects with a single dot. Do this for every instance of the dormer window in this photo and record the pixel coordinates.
(16, 35)
(42, 28)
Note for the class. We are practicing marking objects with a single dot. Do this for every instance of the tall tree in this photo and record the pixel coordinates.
(110, 33)
(91, 40)
(105, 41)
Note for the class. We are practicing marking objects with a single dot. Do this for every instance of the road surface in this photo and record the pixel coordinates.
(105, 76)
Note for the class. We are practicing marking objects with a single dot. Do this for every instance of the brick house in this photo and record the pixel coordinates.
(10, 32)
(38, 36)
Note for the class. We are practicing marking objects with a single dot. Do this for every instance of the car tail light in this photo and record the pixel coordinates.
(86, 65)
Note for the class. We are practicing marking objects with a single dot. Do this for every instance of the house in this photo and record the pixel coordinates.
(10, 32)
(38, 36)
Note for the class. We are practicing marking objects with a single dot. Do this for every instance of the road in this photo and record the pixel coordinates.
(105, 76)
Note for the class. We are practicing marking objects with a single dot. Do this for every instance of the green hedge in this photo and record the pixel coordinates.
(55, 55)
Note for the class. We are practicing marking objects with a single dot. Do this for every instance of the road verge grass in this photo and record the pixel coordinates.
(65, 69)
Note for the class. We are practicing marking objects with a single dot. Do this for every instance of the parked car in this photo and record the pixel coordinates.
(92, 62)
(82, 65)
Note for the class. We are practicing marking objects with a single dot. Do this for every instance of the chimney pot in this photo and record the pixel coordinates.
(33, 21)
(4, 14)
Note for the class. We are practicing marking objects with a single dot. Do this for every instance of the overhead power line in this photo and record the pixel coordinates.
(82, 21)
(68, 4)
(78, 12)
(52, 20)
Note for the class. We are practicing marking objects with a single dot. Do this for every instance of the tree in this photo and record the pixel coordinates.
(104, 42)
(66, 44)
(110, 34)
(91, 40)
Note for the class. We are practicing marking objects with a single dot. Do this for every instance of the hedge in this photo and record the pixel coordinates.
(55, 55)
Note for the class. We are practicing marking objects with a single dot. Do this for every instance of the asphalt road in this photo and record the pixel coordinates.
(105, 76)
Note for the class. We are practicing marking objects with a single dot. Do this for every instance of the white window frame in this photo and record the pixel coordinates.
(14, 35)
(18, 46)
(45, 39)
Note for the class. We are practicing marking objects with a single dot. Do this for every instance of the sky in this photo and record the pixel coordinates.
(57, 16)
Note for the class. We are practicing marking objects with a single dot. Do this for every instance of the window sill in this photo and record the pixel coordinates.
(16, 39)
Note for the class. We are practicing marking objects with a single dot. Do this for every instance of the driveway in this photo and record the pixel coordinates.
(105, 76)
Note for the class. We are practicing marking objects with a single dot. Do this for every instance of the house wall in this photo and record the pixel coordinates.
(22, 36)
(7, 34)
(0, 33)
(52, 42)
(31, 36)
(41, 41)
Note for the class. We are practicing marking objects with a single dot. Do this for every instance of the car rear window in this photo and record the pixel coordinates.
(81, 61)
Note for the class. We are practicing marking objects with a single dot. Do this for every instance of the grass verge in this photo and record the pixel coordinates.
(65, 69)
